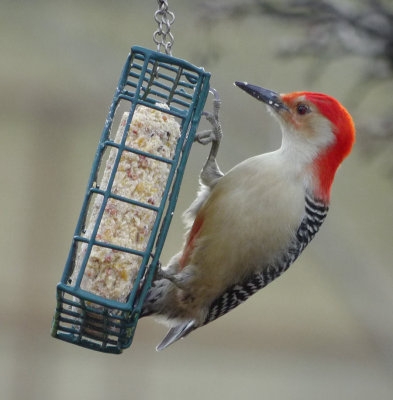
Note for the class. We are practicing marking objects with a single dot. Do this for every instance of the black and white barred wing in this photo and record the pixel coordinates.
(315, 213)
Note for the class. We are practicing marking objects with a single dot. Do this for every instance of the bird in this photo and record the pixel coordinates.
(247, 226)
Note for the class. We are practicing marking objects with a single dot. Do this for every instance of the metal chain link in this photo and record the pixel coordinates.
(163, 37)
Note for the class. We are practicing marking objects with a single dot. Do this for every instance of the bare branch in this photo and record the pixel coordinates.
(333, 31)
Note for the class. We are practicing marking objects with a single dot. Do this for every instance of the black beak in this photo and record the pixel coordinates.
(269, 97)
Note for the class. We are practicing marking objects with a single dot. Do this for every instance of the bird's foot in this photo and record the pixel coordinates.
(215, 133)
(174, 278)
(210, 171)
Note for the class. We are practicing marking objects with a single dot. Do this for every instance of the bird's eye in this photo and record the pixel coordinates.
(303, 109)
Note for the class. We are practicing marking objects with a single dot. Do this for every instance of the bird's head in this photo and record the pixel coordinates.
(317, 130)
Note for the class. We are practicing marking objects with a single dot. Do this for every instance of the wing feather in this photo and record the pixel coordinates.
(315, 213)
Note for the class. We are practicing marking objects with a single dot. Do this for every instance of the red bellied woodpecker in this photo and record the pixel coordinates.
(246, 227)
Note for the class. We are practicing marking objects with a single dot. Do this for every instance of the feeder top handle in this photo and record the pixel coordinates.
(163, 37)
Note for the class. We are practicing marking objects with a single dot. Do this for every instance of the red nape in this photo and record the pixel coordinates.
(343, 127)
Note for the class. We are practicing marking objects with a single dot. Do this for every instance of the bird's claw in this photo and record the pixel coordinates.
(160, 273)
(211, 172)
(163, 274)
(205, 137)
(214, 134)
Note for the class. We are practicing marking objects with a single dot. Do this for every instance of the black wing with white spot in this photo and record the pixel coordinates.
(315, 213)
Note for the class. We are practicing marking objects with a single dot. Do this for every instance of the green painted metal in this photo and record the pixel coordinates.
(148, 78)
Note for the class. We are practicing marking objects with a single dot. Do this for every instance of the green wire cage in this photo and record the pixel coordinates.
(149, 78)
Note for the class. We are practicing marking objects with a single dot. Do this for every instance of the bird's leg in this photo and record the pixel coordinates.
(211, 172)
(168, 273)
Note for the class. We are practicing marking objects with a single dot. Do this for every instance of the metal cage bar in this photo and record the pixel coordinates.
(148, 78)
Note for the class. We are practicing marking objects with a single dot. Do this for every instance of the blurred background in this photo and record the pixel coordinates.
(324, 330)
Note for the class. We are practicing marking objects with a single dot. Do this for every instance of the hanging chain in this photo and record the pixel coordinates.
(163, 37)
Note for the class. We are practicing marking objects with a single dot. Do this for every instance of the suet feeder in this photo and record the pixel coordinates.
(167, 86)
